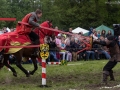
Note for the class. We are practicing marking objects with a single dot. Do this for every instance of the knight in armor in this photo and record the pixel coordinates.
(114, 50)
(28, 23)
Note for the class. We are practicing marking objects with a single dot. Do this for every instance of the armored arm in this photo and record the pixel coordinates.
(32, 22)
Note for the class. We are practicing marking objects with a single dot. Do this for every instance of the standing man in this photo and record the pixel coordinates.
(115, 57)
(28, 23)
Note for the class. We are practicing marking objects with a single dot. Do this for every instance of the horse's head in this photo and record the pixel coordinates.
(41, 32)
(47, 24)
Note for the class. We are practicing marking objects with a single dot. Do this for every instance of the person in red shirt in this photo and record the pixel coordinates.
(29, 22)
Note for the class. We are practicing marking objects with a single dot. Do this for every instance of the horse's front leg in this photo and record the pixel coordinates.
(18, 56)
(35, 65)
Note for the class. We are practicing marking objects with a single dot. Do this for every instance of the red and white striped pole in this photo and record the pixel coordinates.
(44, 55)
(54, 63)
(43, 72)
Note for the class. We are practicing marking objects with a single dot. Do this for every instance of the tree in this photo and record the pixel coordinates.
(63, 13)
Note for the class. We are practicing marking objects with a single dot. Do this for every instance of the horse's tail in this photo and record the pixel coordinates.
(1, 65)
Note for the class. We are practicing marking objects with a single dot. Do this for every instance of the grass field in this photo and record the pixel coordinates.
(82, 75)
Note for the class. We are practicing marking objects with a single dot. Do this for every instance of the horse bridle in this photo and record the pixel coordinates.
(49, 23)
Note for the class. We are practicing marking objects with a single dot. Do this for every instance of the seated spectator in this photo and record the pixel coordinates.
(62, 48)
(12, 59)
(101, 50)
(104, 50)
(119, 41)
(76, 36)
(68, 49)
(52, 51)
(109, 33)
(91, 31)
(64, 35)
(103, 33)
(98, 33)
(95, 35)
(82, 34)
(81, 54)
(58, 43)
(5, 30)
(89, 53)
(96, 48)
(27, 60)
(30, 61)
(58, 40)
(12, 29)
(69, 56)
(74, 45)
(77, 47)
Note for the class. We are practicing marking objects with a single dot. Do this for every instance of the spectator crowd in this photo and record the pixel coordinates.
(67, 47)
(6, 29)
(70, 47)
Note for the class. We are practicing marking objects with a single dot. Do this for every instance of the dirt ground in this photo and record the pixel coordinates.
(60, 78)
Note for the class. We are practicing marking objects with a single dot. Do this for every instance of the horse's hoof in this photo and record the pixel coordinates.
(27, 75)
(15, 74)
(31, 73)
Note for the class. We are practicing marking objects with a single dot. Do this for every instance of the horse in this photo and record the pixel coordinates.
(25, 52)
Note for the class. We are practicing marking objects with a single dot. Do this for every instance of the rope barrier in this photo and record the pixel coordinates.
(30, 46)
(78, 50)
(54, 63)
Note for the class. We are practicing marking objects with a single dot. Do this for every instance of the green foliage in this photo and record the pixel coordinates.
(63, 13)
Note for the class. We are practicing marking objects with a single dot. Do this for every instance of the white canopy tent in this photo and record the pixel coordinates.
(8, 29)
(78, 29)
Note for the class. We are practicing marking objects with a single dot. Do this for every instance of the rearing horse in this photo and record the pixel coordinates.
(26, 52)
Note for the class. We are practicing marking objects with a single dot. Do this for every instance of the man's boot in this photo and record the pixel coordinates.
(105, 76)
(111, 76)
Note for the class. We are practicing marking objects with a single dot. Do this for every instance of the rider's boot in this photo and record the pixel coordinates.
(36, 49)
